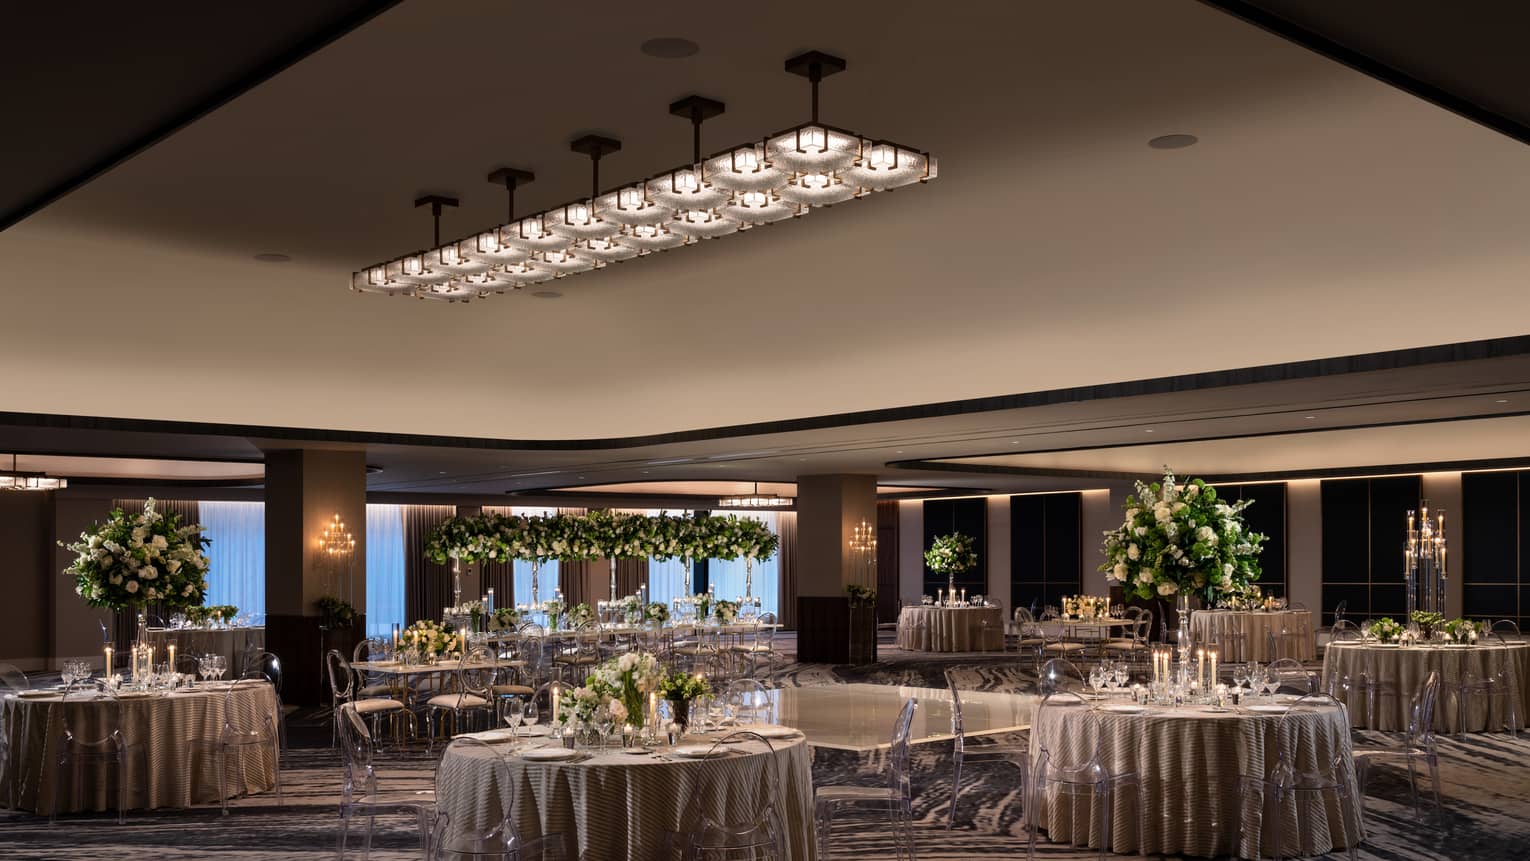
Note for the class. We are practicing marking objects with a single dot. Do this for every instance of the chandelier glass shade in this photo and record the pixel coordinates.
(755, 499)
(15, 479)
(778, 177)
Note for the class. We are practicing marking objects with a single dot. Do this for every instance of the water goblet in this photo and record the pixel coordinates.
(1271, 685)
(1097, 679)
(1121, 674)
(512, 713)
(219, 667)
(83, 671)
(529, 711)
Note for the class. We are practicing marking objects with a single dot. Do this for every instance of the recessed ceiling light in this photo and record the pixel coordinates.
(1310, 417)
(670, 48)
(1147, 430)
(273, 257)
(899, 451)
(547, 294)
(1502, 400)
(579, 476)
(1173, 141)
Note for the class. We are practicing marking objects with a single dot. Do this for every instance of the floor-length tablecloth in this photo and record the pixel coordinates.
(163, 725)
(232, 643)
(617, 805)
(1294, 627)
(1189, 761)
(951, 629)
(1400, 670)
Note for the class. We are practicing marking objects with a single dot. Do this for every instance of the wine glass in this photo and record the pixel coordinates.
(219, 665)
(529, 711)
(1271, 684)
(203, 669)
(511, 711)
(1239, 676)
(83, 671)
(1121, 674)
(1097, 679)
(604, 724)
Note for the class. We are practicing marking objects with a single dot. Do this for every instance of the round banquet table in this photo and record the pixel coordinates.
(616, 805)
(951, 629)
(162, 725)
(1189, 761)
(231, 643)
(1403, 669)
(1208, 626)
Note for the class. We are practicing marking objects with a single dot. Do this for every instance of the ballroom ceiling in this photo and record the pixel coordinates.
(1322, 213)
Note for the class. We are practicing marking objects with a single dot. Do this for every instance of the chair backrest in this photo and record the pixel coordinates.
(106, 636)
(528, 648)
(761, 830)
(897, 754)
(1338, 611)
(1344, 629)
(342, 682)
(357, 751)
(1023, 616)
(747, 700)
(543, 700)
(476, 671)
(958, 726)
(1060, 674)
(13, 678)
(765, 634)
(496, 837)
(1293, 677)
(1421, 719)
(1144, 630)
(1075, 704)
(1506, 630)
(105, 717)
(369, 649)
(269, 666)
(1310, 713)
(234, 723)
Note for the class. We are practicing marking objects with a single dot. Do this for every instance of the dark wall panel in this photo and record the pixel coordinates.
(1365, 529)
(1267, 515)
(1491, 526)
(969, 517)
(1046, 548)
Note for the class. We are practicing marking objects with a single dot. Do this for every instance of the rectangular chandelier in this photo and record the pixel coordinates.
(784, 175)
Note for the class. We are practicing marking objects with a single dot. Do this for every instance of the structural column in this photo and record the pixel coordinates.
(829, 509)
(305, 489)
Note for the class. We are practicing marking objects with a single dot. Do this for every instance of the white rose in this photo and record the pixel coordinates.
(149, 573)
(1179, 506)
(1192, 491)
(1205, 533)
(132, 585)
(1133, 552)
(1119, 572)
(618, 711)
(1227, 568)
(1167, 588)
(116, 579)
(1161, 513)
(1141, 531)
(159, 542)
(1131, 513)
(1144, 576)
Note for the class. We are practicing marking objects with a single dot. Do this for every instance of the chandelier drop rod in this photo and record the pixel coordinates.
(436, 201)
(510, 177)
(697, 109)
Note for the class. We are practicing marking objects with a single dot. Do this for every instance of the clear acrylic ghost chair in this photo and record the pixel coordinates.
(370, 684)
(241, 732)
(758, 644)
(266, 665)
(746, 701)
(1133, 647)
(1506, 630)
(1060, 777)
(542, 700)
(342, 690)
(1015, 754)
(1292, 676)
(13, 679)
(1060, 674)
(473, 698)
(110, 750)
(760, 836)
(1368, 683)
(1417, 748)
(895, 798)
(1338, 612)
(1306, 785)
(1282, 644)
(520, 672)
(575, 661)
(1473, 689)
(359, 795)
(495, 835)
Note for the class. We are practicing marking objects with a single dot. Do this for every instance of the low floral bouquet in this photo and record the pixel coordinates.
(198, 617)
(1462, 631)
(429, 637)
(504, 619)
(627, 681)
(656, 612)
(223, 613)
(684, 687)
(725, 611)
(861, 597)
(579, 707)
(1427, 622)
(580, 614)
(341, 612)
(554, 610)
(703, 603)
(631, 609)
(1386, 629)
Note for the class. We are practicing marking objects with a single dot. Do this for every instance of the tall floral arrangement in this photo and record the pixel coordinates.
(474, 539)
(133, 559)
(951, 554)
(1182, 538)
(616, 534)
(625, 682)
(734, 537)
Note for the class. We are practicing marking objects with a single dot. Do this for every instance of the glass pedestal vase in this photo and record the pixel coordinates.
(680, 713)
(1182, 609)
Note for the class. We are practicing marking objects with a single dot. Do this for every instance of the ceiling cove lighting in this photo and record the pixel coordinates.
(781, 176)
(14, 479)
(755, 500)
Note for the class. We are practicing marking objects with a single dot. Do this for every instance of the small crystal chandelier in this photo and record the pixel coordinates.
(755, 500)
(14, 479)
(782, 176)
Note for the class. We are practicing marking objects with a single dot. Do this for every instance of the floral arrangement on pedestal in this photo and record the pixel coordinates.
(336, 611)
(431, 638)
(951, 555)
(554, 611)
(1182, 539)
(134, 559)
(200, 616)
(504, 619)
(680, 689)
(625, 683)
(580, 614)
(1428, 622)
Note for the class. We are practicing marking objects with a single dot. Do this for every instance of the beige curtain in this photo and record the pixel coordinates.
(427, 586)
(630, 574)
(787, 603)
(575, 575)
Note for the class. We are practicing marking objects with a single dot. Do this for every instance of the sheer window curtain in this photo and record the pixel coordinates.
(385, 569)
(666, 578)
(236, 571)
(547, 575)
(728, 575)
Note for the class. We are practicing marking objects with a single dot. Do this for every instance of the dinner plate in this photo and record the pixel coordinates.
(36, 695)
(697, 751)
(1124, 709)
(772, 731)
(549, 754)
(1269, 709)
(636, 751)
(492, 736)
(1383, 645)
(534, 730)
(135, 695)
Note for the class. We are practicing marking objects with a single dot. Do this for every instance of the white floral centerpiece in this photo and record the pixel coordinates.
(1182, 539)
(504, 619)
(580, 614)
(656, 612)
(429, 637)
(624, 684)
(726, 611)
(951, 555)
(134, 559)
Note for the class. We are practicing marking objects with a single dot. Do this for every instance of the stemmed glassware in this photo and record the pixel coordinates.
(1097, 678)
(511, 712)
(1121, 674)
(219, 665)
(604, 724)
(1271, 684)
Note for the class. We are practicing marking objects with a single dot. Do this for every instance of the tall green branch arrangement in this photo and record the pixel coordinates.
(600, 534)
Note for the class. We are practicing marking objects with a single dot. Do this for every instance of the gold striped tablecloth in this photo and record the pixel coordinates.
(232, 643)
(951, 629)
(1189, 761)
(1208, 626)
(618, 805)
(1405, 668)
(163, 725)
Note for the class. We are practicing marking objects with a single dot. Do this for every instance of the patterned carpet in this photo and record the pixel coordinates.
(1486, 782)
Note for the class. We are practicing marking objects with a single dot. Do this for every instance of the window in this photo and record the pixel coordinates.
(236, 573)
(728, 575)
(1365, 525)
(1495, 576)
(547, 573)
(666, 580)
(969, 517)
(385, 569)
(1045, 548)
